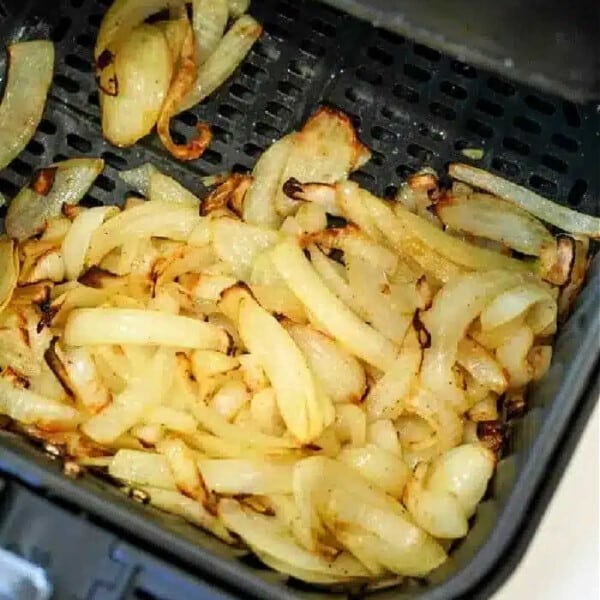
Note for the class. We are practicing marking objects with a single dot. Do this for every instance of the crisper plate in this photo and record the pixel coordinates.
(414, 107)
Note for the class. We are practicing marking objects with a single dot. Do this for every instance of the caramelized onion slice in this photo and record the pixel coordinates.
(29, 78)
(60, 184)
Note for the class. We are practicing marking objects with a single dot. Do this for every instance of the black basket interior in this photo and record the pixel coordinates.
(413, 107)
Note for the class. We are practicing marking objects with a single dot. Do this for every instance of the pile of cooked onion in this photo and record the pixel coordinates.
(327, 393)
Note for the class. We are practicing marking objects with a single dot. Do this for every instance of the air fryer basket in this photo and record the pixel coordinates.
(414, 107)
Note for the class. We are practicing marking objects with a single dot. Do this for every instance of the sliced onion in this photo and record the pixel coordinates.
(144, 69)
(259, 204)
(489, 217)
(268, 536)
(297, 396)
(513, 356)
(341, 323)
(155, 185)
(189, 508)
(77, 240)
(220, 65)
(238, 7)
(550, 212)
(481, 365)
(29, 78)
(119, 20)
(454, 307)
(464, 472)
(209, 19)
(182, 463)
(341, 374)
(439, 513)
(9, 270)
(151, 219)
(141, 468)
(514, 302)
(386, 398)
(181, 84)
(30, 408)
(382, 468)
(69, 181)
(339, 152)
(94, 326)
(239, 476)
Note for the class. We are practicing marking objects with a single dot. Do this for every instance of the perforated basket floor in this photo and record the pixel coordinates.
(413, 107)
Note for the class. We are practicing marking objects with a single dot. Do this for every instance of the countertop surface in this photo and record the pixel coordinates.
(562, 561)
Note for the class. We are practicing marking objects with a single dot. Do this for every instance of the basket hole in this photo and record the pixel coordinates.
(527, 125)
(453, 90)
(501, 87)
(539, 104)
(393, 113)
(95, 20)
(230, 112)
(86, 41)
(276, 31)
(75, 62)
(76, 3)
(542, 185)
(78, 143)
(380, 56)
(312, 48)
(59, 158)
(239, 168)
(505, 167)
(252, 150)
(490, 108)
(47, 127)
(89, 201)
(560, 166)
(404, 171)
(94, 99)
(287, 11)
(105, 183)
(36, 148)
(441, 110)
(416, 73)
(212, 157)
(481, 129)
(392, 38)
(254, 72)
(266, 51)
(571, 114)
(187, 118)
(66, 83)
(565, 143)
(462, 69)
(390, 192)
(221, 135)
(241, 92)
(266, 130)
(377, 159)
(8, 188)
(301, 68)
(277, 110)
(427, 53)
(323, 28)
(421, 154)
(289, 89)
(369, 76)
(363, 179)
(577, 192)
(516, 145)
(20, 167)
(59, 32)
(115, 161)
(383, 135)
(405, 93)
